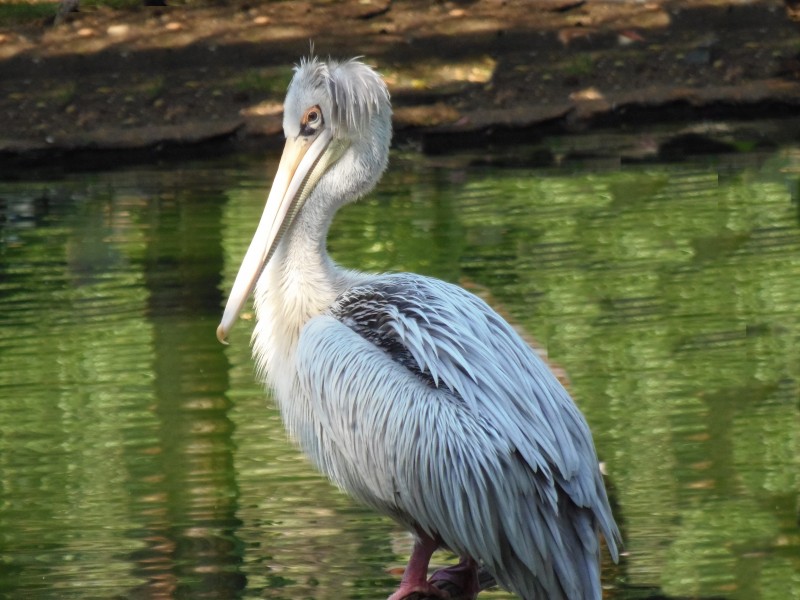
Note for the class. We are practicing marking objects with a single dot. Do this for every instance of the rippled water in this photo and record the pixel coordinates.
(138, 458)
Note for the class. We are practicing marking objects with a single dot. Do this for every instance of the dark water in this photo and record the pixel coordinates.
(139, 459)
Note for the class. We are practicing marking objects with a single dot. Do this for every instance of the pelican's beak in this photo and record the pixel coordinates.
(303, 162)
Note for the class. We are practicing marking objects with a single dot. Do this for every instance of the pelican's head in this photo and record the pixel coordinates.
(337, 123)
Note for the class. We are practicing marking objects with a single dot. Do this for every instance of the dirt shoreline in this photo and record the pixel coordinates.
(160, 80)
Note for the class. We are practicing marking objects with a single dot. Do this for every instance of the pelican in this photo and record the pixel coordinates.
(409, 393)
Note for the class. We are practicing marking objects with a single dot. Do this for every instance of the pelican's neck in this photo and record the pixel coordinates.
(300, 282)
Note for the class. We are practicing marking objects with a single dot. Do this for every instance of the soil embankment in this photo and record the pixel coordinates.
(460, 73)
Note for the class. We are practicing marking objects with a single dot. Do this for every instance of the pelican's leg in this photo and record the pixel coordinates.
(416, 574)
(464, 576)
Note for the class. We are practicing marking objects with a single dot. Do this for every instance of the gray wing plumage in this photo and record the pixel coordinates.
(430, 408)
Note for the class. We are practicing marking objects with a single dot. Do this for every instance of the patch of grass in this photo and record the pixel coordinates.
(65, 94)
(155, 87)
(113, 4)
(264, 81)
(21, 13)
(582, 64)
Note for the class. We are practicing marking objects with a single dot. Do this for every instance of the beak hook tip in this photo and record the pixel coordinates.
(222, 335)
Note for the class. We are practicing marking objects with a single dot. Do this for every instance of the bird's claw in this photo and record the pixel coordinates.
(420, 591)
(460, 580)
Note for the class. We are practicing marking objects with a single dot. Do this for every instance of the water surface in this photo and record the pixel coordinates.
(139, 457)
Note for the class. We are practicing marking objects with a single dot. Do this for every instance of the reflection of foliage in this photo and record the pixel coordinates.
(671, 297)
(669, 294)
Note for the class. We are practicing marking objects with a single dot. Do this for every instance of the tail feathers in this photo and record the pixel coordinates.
(569, 569)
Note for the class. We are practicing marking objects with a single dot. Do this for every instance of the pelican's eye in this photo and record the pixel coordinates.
(311, 121)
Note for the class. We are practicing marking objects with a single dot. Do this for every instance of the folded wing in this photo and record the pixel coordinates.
(434, 411)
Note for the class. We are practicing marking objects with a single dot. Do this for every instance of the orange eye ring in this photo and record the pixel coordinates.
(312, 120)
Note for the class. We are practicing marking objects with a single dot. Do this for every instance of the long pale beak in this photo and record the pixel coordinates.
(301, 165)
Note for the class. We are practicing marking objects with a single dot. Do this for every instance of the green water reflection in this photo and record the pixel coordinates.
(138, 458)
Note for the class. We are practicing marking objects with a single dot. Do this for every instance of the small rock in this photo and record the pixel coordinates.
(567, 35)
(173, 26)
(118, 30)
(86, 32)
(591, 93)
(628, 37)
(261, 20)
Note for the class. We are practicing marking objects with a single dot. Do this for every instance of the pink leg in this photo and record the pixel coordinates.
(416, 574)
(464, 576)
